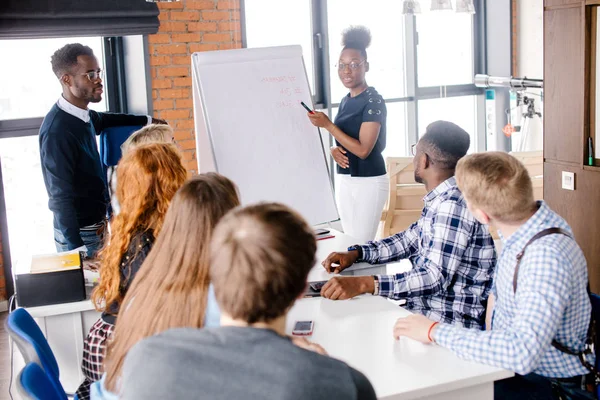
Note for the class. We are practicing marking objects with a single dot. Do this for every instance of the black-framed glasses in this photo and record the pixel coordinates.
(93, 76)
(413, 149)
(353, 65)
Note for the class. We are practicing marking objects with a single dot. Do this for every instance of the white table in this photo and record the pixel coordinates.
(359, 332)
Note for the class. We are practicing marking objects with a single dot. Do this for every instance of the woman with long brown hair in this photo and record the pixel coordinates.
(148, 177)
(172, 288)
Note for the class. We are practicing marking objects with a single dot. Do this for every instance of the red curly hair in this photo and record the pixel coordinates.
(147, 179)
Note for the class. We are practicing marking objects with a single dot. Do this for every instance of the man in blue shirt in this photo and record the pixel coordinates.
(73, 175)
(539, 298)
(453, 255)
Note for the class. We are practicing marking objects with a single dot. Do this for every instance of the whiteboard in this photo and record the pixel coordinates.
(247, 110)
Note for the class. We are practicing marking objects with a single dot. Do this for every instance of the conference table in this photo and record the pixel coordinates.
(357, 331)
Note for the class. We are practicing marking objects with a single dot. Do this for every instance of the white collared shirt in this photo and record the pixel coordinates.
(80, 113)
(75, 111)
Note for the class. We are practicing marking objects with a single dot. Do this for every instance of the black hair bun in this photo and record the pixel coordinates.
(356, 37)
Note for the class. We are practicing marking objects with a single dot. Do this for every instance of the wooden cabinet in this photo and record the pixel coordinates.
(567, 80)
(563, 85)
(554, 3)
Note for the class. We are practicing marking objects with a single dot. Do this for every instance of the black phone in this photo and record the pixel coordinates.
(314, 289)
(317, 285)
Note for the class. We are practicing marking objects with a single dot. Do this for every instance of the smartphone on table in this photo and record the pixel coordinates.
(303, 328)
(314, 289)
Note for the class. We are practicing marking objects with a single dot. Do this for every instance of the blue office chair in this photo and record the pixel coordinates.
(33, 384)
(34, 347)
(111, 140)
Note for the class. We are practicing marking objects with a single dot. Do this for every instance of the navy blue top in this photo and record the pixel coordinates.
(73, 175)
(368, 106)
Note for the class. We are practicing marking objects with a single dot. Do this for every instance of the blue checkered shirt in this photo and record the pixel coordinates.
(453, 259)
(551, 302)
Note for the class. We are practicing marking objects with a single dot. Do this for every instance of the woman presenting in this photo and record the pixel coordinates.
(359, 132)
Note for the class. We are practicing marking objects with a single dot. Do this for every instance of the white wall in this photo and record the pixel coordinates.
(530, 57)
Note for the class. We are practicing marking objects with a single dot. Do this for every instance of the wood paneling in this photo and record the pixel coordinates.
(554, 3)
(580, 209)
(563, 85)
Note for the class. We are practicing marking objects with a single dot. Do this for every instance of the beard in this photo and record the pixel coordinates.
(95, 98)
(418, 178)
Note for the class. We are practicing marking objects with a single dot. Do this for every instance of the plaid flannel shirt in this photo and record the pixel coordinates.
(551, 302)
(453, 259)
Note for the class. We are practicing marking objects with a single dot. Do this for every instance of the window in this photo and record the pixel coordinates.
(460, 110)
(422, 65)
(29, 87)
(264, 30)
(386, 53)
(444, 49)
(397, 130)
(28, 217)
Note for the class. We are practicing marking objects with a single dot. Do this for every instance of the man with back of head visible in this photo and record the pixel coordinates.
(73, 175)
(260, 259)
(453, 255)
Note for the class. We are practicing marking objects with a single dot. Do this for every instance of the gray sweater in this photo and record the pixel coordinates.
(235, 363)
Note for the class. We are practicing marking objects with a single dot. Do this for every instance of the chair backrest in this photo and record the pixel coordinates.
(111, 140)
(30, 340)
(405, 199)
(33, 383)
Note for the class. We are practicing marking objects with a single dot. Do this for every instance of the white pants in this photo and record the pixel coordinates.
(360, 202)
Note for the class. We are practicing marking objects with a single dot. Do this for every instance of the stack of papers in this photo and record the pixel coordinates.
(55, 262)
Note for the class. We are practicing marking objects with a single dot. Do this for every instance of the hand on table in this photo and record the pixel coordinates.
(342, 288)
(415, 327)
(338, 261)
(91, 265)
(308, 345)
(339, 155)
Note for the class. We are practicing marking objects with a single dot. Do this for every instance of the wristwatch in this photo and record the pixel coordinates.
(375, 285)
(358, 248)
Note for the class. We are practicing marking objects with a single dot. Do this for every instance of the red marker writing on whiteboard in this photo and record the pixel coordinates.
(307, 107)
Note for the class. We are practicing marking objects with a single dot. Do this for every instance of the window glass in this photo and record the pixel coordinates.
(460, 110)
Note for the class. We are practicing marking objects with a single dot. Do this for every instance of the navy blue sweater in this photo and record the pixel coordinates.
(73, 174)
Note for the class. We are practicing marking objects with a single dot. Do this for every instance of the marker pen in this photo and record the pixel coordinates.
(307, 107)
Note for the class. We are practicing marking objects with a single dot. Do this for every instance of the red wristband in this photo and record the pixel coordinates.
(429, 331)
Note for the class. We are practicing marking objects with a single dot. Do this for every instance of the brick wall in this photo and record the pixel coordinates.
(186, 27)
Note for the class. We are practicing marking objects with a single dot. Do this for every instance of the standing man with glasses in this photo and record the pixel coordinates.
(73, 174)
(452, 254)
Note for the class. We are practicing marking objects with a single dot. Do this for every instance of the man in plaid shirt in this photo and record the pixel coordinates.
(453, 255)
(540, 303)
